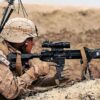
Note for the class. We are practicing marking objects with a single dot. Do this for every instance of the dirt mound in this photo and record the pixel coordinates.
(87, 90)
(59, 20)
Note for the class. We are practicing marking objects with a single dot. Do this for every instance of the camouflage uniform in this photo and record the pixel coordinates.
(11, 86)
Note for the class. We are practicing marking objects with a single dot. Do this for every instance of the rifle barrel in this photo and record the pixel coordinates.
(25, 57)
(73, 54)
(68, 54)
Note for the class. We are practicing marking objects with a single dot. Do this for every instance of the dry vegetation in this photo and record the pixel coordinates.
(79, 26)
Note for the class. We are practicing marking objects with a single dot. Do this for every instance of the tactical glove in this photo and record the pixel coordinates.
(40, 67)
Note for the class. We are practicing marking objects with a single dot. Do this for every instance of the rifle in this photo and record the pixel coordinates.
(57, 54)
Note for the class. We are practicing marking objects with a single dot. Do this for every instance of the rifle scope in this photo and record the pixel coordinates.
(49, 44)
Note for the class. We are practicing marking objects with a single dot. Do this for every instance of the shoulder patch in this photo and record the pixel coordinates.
(4, 60)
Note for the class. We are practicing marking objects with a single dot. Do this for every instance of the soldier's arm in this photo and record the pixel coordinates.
(11, 86)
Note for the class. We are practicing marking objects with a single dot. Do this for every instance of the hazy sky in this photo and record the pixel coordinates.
(95, 3)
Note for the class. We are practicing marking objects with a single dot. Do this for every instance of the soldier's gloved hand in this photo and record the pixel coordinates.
(40, 67)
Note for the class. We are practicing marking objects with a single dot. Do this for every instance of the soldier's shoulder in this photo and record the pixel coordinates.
(3, 59)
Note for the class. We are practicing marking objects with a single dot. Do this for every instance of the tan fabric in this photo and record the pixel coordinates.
(31, 73)
(8, 85)
(4, 49)
(17, 30)
(11, 86)
(40, 67)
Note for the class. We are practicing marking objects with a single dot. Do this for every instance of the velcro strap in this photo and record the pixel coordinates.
(4, 60)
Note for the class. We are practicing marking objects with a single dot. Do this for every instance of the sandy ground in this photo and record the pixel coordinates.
(87, 90)
(81, 27)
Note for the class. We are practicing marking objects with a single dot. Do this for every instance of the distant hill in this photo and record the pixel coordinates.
(59, 18)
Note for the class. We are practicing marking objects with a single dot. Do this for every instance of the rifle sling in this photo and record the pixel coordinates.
(84, 64)
(18, 58)
(18, 64)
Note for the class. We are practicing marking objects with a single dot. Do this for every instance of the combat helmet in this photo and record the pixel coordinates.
(17, 30)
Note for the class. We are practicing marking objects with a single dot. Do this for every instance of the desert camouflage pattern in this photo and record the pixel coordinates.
(11, 86)
(17, 30)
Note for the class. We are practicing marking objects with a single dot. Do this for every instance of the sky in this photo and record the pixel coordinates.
(94, 3)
